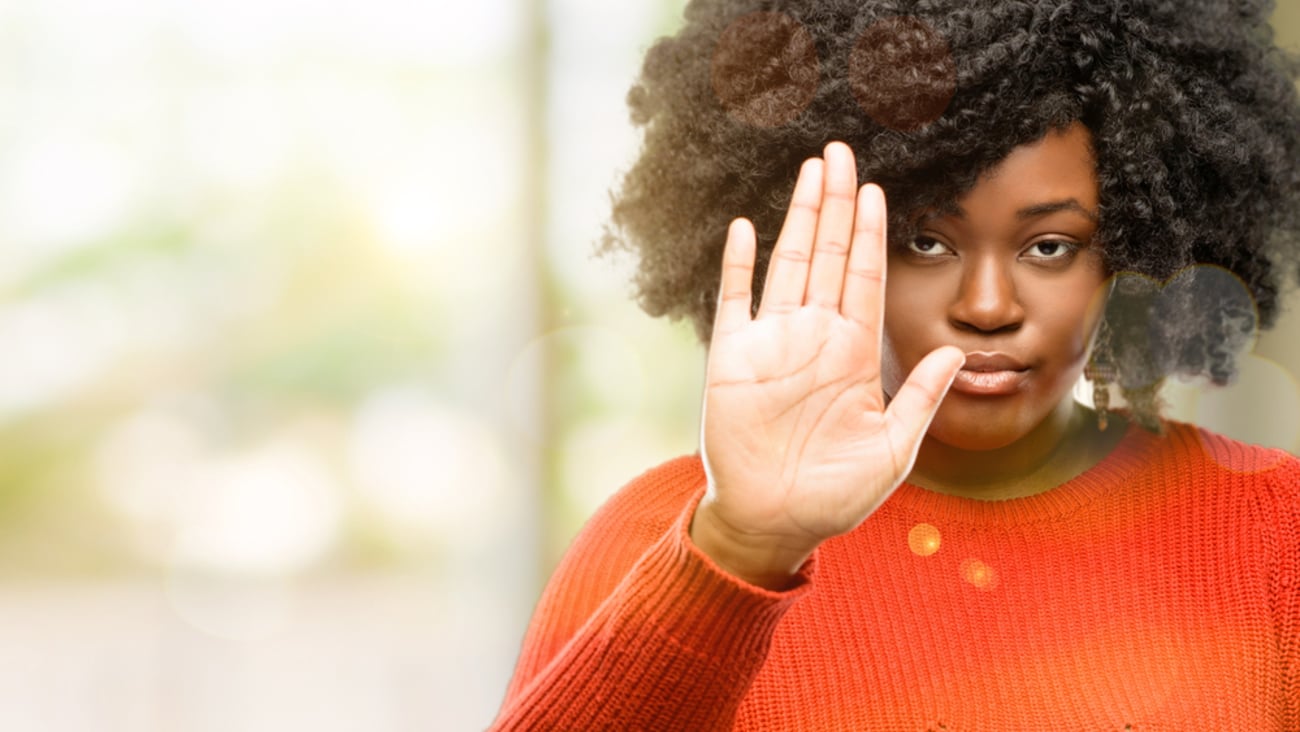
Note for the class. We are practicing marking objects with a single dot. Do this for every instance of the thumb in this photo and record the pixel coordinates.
(910, 412)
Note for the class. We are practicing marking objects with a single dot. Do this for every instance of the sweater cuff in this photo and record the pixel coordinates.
(699, 606)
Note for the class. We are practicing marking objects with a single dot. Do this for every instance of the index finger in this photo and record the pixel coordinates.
(863, 299)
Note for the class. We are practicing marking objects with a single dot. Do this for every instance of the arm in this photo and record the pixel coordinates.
(1283, 532)
(638, 629)
(798, 445)
(799, 440)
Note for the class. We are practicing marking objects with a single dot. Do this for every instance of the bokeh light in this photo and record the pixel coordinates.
(924, 540)
(431, 474)
(764, 69)
(902, 73)
(978, 574)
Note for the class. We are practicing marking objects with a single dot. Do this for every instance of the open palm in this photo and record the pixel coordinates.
(798, 442)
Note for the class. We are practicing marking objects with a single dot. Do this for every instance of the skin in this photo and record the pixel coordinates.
(1015, 272)
(816, 409)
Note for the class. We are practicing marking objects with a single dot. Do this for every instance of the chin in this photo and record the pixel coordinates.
(979, 429)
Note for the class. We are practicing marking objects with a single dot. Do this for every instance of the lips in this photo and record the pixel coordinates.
(983, 361)
(990, 374)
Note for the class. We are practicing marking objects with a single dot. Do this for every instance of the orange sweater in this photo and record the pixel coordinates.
(1160, 590)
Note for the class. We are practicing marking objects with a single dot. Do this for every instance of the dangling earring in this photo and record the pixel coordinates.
(1101, 372)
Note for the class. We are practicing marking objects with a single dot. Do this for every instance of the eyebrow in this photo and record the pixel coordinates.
(1050, 207)
(1028, 212)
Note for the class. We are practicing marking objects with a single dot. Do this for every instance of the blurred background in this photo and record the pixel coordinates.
(307, 374)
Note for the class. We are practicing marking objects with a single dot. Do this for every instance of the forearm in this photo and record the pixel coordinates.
(675, 646)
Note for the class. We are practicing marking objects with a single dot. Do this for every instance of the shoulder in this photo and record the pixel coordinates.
(650, 502)
(600, 559)
(679, 476)
(1266, 477)
(634, 518)
(1204, 452)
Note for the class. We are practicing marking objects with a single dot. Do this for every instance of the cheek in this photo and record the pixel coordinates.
(1072, 315)
(892, 371)
(904, 329)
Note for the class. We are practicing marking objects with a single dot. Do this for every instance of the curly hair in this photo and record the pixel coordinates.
(1192, 109)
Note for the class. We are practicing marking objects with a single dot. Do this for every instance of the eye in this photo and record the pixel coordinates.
(1051, 249)
(925, 246)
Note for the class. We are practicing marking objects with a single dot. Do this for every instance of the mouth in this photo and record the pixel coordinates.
(990, 374)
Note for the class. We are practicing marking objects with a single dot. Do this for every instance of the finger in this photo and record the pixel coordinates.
(918, 399)
(864, 282)
(834, 228)
(735, 294)
(787, 274)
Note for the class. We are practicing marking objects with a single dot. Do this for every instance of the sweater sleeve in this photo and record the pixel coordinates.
(1284, 536)
(638, 629)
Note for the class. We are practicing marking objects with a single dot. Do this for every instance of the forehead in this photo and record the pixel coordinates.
(1055, 170)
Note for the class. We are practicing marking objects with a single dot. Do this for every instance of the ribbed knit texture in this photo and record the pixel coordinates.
(1160, 590)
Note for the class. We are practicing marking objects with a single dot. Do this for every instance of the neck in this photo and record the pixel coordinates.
(1061, 447)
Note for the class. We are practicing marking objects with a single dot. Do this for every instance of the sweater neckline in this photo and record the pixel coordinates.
(912, 502)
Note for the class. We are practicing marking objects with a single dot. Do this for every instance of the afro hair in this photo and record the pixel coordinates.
(1191, 106)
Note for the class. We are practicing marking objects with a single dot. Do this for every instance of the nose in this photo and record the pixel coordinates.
(987, 301)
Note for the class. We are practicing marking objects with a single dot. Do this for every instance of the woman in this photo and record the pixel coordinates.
(900, 518)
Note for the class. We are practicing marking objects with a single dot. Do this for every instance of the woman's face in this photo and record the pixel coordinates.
(1014, 281)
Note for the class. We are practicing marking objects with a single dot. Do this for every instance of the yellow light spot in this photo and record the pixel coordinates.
(923, 540)
(979, 574)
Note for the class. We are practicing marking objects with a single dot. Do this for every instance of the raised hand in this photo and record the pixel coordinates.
(797, 440)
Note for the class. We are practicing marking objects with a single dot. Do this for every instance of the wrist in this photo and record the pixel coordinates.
(759, 560)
